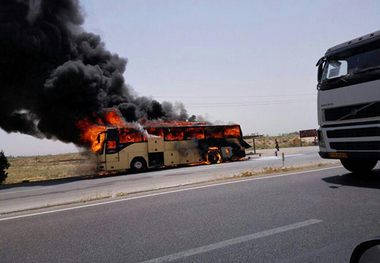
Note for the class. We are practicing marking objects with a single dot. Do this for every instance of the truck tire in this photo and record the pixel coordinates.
(138, 165)
(359, 165)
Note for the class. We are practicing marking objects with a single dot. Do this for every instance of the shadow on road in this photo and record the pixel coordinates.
(364, 180)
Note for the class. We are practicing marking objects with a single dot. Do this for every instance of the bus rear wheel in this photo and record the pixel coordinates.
(359, 165)
(138, 165)
(213, 157)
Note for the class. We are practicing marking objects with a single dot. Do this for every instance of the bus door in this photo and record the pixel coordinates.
(112, 149)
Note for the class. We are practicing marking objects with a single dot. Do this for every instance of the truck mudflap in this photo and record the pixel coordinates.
(350, 155)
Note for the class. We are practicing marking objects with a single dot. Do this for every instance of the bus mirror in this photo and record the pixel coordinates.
(98, 139)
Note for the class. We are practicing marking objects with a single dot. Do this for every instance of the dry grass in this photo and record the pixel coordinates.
(286, 141)
(48, 167)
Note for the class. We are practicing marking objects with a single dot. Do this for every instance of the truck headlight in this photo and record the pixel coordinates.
(321, 140)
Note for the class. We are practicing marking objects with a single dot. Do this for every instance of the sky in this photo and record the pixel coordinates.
(245, 62)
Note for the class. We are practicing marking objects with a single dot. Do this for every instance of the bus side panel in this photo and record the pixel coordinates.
(101, 159)
(198, 156)
(186, 156)
(181, 152)
(113, 162)
(127, 154)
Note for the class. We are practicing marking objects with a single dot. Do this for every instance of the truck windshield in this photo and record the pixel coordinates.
(349, 66)
(334, 69)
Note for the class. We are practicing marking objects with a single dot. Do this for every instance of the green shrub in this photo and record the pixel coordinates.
(4, 165)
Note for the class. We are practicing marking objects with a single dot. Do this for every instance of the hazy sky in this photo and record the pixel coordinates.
(247, 62)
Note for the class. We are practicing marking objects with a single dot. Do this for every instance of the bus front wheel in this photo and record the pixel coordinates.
(138, 165)
(359, 165)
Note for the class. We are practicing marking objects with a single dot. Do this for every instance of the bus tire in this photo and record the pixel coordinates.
(359, 165)
(213, 157)
(138, 165)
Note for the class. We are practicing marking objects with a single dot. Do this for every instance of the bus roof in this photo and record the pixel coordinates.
(176, 126)
(353, 43)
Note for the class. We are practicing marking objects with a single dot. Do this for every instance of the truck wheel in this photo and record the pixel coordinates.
(359, 165)
(138, 165)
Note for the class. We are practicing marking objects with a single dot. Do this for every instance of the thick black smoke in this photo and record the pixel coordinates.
(53, 74)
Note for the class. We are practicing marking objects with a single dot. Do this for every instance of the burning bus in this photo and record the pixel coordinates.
(151, 146)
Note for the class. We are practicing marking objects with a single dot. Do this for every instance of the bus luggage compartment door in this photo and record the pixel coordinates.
(155, 144)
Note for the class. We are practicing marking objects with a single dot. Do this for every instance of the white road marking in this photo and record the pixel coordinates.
(293, 155)
(276, 157)
(165, 193)
(233, 241)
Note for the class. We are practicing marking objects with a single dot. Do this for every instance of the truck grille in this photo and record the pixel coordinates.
(359, 132)
(353, 112)
(355, 146)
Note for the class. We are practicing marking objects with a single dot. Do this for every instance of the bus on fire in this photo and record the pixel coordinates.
(137, 150)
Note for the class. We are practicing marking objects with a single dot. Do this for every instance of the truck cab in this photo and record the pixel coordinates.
(349, 103)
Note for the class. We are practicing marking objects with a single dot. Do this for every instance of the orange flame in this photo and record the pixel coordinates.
(231, 132)
(113, 118)
(174, 134)
(93, 132)
(130, 135)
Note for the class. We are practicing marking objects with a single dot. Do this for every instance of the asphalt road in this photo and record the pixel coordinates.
(317, 216)
(41, 194)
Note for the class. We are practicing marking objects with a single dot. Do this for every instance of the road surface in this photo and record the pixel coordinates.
(314, 216)
(41, 194)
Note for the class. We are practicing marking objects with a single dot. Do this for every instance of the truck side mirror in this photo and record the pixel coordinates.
(368, 251)
(320, 64)
(320, 71)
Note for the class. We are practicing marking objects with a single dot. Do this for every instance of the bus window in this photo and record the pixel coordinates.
(156, 131)
(130, 135)
(214, 132)
(232, 131)
(112, 134)
(194, 132)
(174, 134)
(100, 143)
(111, 144)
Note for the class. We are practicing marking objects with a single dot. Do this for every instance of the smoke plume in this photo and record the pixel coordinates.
(53, 73)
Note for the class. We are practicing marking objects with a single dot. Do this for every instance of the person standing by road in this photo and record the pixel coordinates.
(277, 147)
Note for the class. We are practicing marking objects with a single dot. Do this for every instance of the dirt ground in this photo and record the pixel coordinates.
(47, 167)
(286, 141)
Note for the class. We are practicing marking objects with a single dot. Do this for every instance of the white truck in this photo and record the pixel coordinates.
(349, 103)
